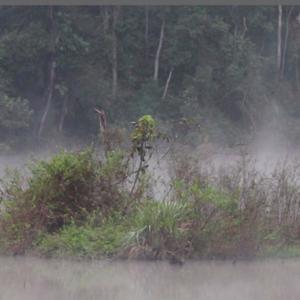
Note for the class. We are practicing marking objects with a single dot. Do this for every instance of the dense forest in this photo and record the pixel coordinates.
(220, 71)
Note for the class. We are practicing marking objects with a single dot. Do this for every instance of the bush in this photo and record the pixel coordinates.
(63, 190)
(158, 229)
(85, 240)
(214, 229)
(64, 186)
(220, 228)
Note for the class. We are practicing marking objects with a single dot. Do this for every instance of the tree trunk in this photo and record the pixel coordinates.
(63, 114)
(279, 39)
(157, 56)
(50, 71)
(105, 19)
(146, 30)
(116, 11)
(167, 84)
(285, 43)
(245, 27)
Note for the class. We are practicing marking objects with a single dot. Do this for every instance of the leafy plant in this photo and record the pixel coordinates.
(145, 133)
(63, 190)
(158, 226)
(85, 240)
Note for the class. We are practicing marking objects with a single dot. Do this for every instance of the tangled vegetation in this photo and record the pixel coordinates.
(77, 205)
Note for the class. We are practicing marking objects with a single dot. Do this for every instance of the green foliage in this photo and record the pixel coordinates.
(14, 113)
(88, 241)
(210, 195)
(115, 167)
(144, 131)
(15, 119)
(74, 205)
(63, 190)
(153, 225)
(287, 251)
(156, 227)
(64, 185)
(201, 195)
(162, 218)
(221, 57)
(146, 100)
(144, 135)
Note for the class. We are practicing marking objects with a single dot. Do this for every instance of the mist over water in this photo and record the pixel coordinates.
(33, 279)
(267, 150)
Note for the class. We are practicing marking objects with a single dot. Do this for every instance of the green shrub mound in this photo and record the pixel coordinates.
(58, 192)
(88, 240)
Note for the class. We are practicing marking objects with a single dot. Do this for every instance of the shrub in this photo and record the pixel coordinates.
(65, 189)
(85, 240)
(159, 228)
(221, 226)
(64, 186)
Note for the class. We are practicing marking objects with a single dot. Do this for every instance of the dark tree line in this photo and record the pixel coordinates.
(217, 67)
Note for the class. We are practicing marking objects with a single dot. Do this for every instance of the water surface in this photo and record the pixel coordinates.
(35, 279)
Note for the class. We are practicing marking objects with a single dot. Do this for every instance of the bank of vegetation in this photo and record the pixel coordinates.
(217, 73)
(80, 205)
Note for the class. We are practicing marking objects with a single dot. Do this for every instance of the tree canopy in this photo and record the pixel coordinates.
(215, 67)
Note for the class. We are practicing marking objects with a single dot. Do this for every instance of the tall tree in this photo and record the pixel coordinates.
(51, 62)
(146, 31)
(116, 12)
(279, 39)
(158, 51)
(282, 69)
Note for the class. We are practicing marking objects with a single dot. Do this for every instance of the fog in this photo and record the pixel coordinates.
(33, 279)
(267, 150)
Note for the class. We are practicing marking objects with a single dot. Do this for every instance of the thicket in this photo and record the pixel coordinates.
(79, 205)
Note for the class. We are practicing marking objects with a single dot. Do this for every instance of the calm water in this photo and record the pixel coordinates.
(35, 279)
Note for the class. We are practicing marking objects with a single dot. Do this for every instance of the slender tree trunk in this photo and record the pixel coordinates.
(167, 84)
(157, 56)
(146, 30)
(245, 27)
(50, 70)
(285, 42)
(48, 96)
(279, 39)
(116, 11)
(63, 114)
(105, 19)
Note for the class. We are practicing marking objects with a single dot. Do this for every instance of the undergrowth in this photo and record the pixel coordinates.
(76, 205)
